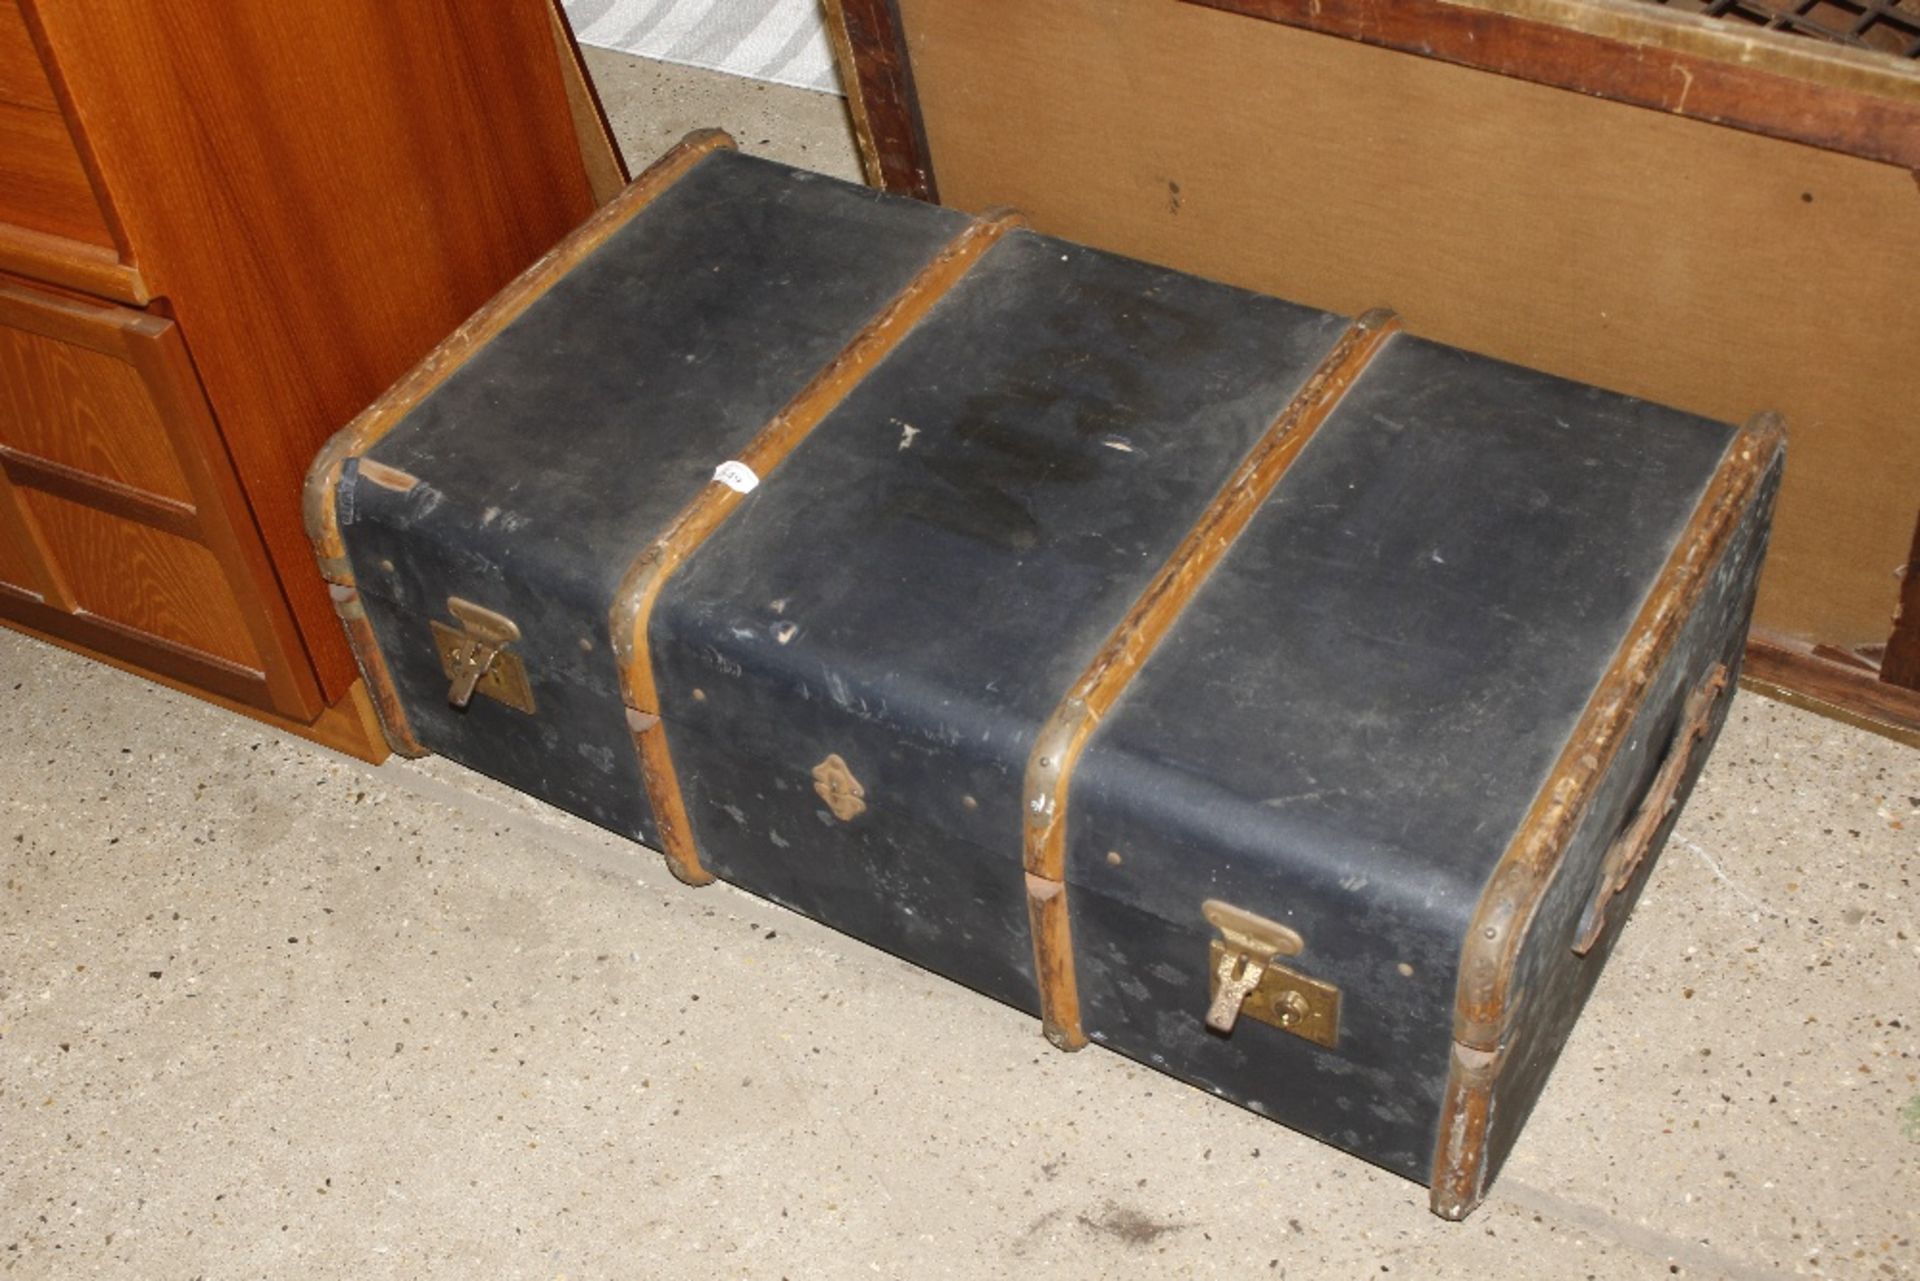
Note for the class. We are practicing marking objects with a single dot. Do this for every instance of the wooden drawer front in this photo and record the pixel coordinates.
(85, 410)
(143, 578)
(122, 527)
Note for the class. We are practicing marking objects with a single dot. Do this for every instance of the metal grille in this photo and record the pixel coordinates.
(1890, 26)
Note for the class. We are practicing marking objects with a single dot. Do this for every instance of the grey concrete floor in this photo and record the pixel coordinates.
(265, 1011)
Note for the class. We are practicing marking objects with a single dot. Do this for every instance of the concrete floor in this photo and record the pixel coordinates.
(265, 1011)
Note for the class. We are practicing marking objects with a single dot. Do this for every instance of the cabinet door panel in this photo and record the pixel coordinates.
(83, 409)
(144, 578)
(122, 527)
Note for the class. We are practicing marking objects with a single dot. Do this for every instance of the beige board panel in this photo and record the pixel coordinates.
(1714, 270)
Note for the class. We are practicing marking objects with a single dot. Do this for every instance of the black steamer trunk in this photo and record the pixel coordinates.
(1277, 698)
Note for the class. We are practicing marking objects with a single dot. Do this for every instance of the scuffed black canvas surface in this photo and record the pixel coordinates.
(1341, 732)
(928, 573)
(1352, 716)
(551, 458)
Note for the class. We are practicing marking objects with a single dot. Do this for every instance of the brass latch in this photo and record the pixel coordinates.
(1245, 979)
(476, 659)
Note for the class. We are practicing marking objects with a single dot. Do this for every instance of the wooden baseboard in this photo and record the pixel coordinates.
(349, 726)
(1779, 668)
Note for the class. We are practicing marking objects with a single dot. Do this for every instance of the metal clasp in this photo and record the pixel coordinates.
(837, 786)
(1246, 980)
(476, 659)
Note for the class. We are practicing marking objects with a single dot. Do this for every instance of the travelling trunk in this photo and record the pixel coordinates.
(1274, 697)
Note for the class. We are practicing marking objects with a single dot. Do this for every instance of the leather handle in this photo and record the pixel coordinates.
(1629, 849)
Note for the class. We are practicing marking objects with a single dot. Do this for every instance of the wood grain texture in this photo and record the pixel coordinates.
(25, 565)
(870, 49)
(45, 187)
(23, 82)
(71, 264)
(1646, 56)
(25, 471)
(225, 525)
(1666, 258)
(606, 168)
(99, 407)
(75, 405)
(153, 582)
(134, 649)
(346, 726)
(17, 567)
(319, 202)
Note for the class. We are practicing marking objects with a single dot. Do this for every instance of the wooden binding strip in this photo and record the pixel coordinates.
(1860, 102)
(869, 44)
(486, 324)
(706, 511)
(1057, 749)
(1485, 1000)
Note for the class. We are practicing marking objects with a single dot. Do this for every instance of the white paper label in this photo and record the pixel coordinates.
(736, 476)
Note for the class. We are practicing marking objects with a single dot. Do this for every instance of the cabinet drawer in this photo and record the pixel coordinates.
(135, 576)
(80, 408)
(121, 524)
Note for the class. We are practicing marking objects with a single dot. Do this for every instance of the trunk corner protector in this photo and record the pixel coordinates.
(1459, 1184)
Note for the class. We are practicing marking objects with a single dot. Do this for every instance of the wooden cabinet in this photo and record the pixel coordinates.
(225, 228)
(126, 531)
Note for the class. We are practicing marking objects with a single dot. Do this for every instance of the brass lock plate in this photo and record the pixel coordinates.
(505, 679)
(837, 786)
(1286, 999)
